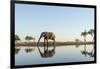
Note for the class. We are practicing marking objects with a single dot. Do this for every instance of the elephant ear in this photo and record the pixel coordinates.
(53, 35)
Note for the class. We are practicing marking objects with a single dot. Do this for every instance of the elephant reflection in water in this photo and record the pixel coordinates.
(47, 36)
(47, 53)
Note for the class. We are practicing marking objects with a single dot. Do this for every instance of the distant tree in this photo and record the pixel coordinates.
(76, 40)
(17, 38)
(84, 34)
(29, 38)
(91, 32)
(77, 45)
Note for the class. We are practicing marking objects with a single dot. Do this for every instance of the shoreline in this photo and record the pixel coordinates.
(32, 44)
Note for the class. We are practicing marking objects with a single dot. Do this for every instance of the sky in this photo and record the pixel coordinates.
(66, 23)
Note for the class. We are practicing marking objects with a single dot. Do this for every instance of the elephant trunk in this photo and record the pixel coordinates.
(39, 41)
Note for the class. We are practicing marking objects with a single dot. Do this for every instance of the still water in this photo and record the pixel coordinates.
(71, 53)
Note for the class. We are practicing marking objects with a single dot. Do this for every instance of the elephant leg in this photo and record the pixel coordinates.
(44, 45)
(47, 44)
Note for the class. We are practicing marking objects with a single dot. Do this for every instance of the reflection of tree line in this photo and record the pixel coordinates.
(86, 53)
(17, 50)
(45, 54)
(51, 53)
(27, 50)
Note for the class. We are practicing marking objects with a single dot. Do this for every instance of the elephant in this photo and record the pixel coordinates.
(47, 36)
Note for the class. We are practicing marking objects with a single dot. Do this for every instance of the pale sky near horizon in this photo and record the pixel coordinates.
(66, 22)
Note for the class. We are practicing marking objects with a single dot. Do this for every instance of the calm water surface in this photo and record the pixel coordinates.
(71, 53)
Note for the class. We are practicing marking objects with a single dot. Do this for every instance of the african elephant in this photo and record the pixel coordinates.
(47, 36)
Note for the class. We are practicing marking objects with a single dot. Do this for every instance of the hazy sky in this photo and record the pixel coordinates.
(66, 22)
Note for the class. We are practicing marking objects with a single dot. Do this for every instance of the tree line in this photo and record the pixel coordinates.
(85, 33)
(28, 38)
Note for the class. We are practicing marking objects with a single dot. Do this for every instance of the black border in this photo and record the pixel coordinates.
(12, 29)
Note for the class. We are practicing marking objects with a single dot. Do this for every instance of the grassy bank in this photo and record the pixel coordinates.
(51, 44)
